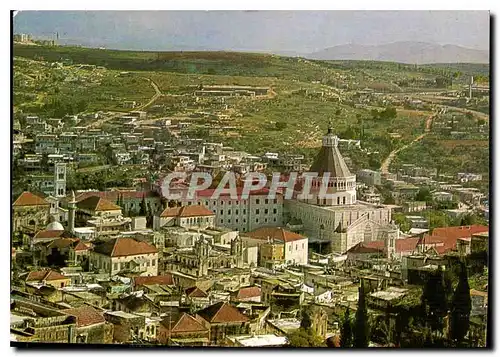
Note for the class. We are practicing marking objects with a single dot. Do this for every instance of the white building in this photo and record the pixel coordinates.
(239, 214)
(125, 254)
(295, 245)
(340, 221)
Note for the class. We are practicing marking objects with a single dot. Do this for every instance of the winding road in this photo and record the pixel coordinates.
(384, 169)
(157, 95)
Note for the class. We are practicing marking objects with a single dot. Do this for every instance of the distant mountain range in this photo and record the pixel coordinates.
(404, 52)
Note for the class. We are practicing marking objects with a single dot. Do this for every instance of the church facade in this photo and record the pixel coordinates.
(339, 220)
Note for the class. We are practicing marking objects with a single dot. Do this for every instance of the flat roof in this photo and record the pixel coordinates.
(259, 340)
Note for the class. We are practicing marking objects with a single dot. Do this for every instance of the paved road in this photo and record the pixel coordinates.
(384, 169)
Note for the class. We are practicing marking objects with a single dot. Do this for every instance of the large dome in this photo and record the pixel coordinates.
(55, 226)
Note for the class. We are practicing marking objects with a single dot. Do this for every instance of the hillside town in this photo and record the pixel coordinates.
(131, 266)
(365, 243)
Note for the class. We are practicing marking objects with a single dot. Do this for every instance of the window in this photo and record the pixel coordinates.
(256, 220)
(257, 201)
(266, 201)
(115, 266)
(221, 211)
(244, 211)
(236, 220)
(153, 262)
(221, 221)
(275, 211)
(229, 212)
(275, 200)
(274, 219)
(229, 202)
(257, 211)
(228, 221)
(237, 211)
(290, 248)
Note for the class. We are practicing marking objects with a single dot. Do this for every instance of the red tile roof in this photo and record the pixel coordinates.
(196, 292)
(113, 195)
(239, 190)
(367, 248)
(86, 315)
(248, 292)
(276, 233)
(45, 275)
(49, 234)
(445, 238)
(187, 211)
(185, 323)
(122, 247)
(222, 312)
(81, 247)
(154, 280)
(96, 203)
(378, 246)
(62, 243)
(459, 232)
(29, 199)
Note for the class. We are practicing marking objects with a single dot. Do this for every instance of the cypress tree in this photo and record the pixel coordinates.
(143, 210)
(346, 330)
(361, 334)
(460, 307)
(434, 300)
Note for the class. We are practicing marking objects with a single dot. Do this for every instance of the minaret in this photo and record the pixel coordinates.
(71, 213)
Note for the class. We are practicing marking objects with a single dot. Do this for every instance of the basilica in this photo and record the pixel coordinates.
(339, 221)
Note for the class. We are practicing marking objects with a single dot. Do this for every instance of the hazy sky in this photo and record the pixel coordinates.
(278, 31)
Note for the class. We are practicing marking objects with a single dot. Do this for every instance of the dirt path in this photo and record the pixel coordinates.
(384, 169)
(157, 95)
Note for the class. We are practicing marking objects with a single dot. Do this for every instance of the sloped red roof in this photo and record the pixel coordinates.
(113, 195)
(47, 275)
(367, 248)
(378, 246)
(122, 247)
(29, 199)
(248, 292)
(459, 232)
(81, 246)
(187, 211)
(185, 323)
(276, 233)
(86, 315)
(196, 292)
(239, 190)
(49, 234)
(96, 203)
(222, 312)
(62, 243)
(154, 280)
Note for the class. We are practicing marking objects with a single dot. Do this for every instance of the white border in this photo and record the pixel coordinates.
(188, 5)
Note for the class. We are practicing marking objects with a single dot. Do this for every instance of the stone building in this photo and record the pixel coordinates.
(30, 212)
(339, 222)
(125, 254)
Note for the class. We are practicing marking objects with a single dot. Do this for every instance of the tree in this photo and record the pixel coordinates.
(461, 305)
(346, 330)
(281, 125)
(143, 208)
(305, 338)
(424, 194)
(306, 322)
(402, 221)
(361, 333)
(434, 300)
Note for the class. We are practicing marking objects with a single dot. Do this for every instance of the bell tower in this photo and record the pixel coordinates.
(60, 179)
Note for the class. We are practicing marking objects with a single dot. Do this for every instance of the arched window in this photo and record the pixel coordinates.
(338, 200)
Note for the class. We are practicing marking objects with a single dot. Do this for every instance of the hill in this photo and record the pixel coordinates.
(404, 52)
